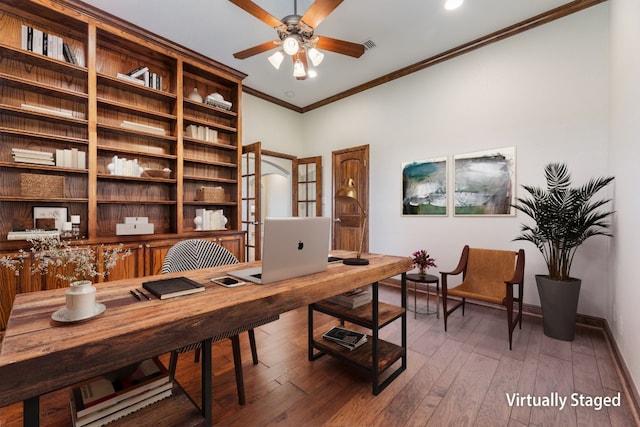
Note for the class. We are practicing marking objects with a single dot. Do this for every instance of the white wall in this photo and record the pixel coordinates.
(624, 293)
(544, 91)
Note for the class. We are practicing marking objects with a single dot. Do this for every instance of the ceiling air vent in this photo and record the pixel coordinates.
(369, 44)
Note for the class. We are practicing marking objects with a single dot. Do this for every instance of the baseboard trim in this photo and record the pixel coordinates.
(527, 309)
(629, 387)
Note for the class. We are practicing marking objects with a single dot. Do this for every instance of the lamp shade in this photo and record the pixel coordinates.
(315, 56)
(348, 190)
(298, 69)
(276, 59)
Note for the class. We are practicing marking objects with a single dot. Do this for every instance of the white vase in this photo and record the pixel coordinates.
(81, 299)
(195, 95)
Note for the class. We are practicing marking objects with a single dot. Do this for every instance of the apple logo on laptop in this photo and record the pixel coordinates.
(300, 245)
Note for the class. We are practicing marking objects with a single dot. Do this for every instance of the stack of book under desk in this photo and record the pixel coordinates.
(109, 397)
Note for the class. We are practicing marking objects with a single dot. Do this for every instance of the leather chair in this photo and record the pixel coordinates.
(193, 254)
(487, 275)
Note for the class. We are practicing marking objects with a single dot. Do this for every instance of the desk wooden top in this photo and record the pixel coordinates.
(39, 355)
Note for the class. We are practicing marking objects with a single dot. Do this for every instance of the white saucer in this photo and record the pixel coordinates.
(63, 315)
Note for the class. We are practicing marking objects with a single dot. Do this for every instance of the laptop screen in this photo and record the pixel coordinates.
(293, 247)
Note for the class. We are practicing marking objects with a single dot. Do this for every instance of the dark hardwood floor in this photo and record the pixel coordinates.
(464, 377)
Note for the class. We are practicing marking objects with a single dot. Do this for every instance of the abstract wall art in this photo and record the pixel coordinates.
(424, 187)
(485, 182)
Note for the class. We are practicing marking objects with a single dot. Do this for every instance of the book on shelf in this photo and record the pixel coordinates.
(352, 299)
(130, 79)
(174, 287)
(142, 127)
(37, 41)
(68, 54)
(32, 234)
(32, 157)
(345, 337)
(105, 417)
(47, 110)
(105, 394)
(138, 72)
(71, 158)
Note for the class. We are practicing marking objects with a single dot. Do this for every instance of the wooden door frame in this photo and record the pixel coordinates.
(256, 148)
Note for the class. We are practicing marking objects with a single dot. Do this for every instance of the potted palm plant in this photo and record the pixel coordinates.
(564, 217)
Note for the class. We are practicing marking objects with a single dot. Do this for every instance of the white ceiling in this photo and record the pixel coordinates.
(404, 32)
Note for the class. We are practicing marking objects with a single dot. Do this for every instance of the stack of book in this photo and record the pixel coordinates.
(352, 299)
(204, 133)
(37, 41)
(345, 337)
(72, 158)
(101, 400)
(32, 156)
(143, 77)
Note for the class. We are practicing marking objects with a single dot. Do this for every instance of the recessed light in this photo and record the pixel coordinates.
(290, 94)
(453, 4)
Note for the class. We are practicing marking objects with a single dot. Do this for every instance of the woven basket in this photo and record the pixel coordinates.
(36, 185)
(210, 194)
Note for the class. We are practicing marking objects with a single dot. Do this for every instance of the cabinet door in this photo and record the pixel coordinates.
(12, 282)
(233, 243)
(154, 253)
(126, 268)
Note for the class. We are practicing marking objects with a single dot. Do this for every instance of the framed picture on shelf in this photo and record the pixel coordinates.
(42, 217)
(424, 187)
(485, 182)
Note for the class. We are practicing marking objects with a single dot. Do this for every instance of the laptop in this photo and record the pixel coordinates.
(293, 247)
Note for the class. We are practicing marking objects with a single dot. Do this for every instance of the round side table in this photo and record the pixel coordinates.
(426, 279)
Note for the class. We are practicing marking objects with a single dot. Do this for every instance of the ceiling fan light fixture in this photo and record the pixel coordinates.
(315, 56)
(298, 69)
(452, 4)
(276, 59)
(312, 73)
(291, 45)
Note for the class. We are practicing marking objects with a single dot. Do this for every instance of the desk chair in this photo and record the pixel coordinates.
(193, 254)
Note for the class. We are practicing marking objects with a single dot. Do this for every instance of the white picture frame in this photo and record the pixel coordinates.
(57, 213)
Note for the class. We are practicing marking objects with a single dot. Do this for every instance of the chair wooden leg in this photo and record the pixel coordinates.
(252, 343)
(237, 361)
(196, 356)
(509, 322)
(173, 363)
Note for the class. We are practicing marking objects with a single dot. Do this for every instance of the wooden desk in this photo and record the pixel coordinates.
(39, 356)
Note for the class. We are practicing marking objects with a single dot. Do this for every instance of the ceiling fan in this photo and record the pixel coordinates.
(296, 36)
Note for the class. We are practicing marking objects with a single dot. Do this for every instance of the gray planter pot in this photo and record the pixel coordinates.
(559, 302)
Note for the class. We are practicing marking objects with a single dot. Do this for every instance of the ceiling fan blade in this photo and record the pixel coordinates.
(255, 10)
(340, 46)
(318, 11)
(263, 47)
(302, 56)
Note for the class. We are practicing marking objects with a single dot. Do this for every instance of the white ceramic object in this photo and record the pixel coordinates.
(81, 299)
(195, 95)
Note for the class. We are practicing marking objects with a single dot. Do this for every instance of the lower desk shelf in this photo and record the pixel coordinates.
(362, 357)
(175, 410)
(382, 360)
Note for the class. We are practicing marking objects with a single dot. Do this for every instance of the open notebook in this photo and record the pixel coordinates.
(293, 247)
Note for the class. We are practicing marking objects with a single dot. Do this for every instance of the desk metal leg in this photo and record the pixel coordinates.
(31, 409)
(207, 372)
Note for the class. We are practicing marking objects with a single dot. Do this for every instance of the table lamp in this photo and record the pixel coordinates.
(348, 193)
